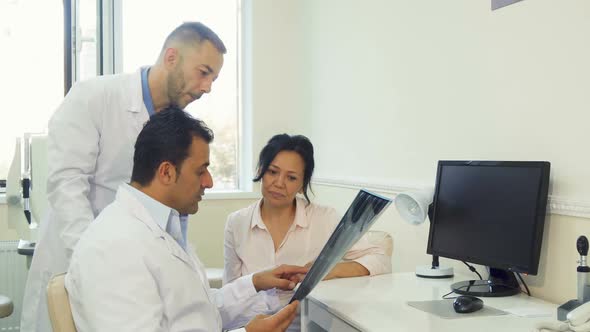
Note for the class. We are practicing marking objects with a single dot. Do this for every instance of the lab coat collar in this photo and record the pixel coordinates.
(141, 212)
(159, 212)
(300, 215)
(136, 104)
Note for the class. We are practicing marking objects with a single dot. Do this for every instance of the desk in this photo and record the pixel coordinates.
(379, 304)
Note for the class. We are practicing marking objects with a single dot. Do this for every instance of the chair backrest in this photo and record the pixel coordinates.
(382, 239)
(6, 306)
(60, 313)
(215, 277)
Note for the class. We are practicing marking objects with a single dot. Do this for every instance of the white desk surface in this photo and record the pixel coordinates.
(379, 304)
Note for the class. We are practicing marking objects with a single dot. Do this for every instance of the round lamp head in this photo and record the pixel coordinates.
(413, 206)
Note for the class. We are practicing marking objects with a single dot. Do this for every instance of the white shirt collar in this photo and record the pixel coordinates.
(300, 214)
(160, 213)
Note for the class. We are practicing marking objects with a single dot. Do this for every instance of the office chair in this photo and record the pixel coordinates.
(382, 239)
(60, 312)
(6, 306)
(214, 277)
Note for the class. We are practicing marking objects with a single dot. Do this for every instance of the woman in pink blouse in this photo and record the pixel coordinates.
(285, 227)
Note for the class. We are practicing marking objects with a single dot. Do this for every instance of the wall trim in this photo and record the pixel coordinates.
(392, 189)
(556, 205)
(568, 207)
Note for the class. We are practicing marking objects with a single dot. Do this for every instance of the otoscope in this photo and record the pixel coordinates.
(26, 183)
(583, 269)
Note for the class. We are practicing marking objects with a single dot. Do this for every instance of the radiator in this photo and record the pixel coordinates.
(13, 276)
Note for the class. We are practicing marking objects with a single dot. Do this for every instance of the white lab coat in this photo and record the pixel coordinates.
(90, 152)
(128, 274)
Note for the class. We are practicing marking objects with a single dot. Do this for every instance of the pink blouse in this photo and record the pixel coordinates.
(249, 248)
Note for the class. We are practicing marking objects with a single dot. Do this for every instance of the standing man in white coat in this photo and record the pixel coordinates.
(90, 147)
(133, 271)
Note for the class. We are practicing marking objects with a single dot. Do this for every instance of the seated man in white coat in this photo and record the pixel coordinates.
(132, 270)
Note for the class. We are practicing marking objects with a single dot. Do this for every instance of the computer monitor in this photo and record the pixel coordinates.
(490, 213)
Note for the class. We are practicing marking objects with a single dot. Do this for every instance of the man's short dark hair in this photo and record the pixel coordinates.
(167, 136)
(194, 33)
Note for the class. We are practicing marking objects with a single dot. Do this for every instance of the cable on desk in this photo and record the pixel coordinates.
(444, 297)
(472, 269)
(528, 292)
(489, 284)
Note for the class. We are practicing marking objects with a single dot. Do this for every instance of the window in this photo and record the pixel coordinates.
(85, 61)
(112, 36)
(31, 63)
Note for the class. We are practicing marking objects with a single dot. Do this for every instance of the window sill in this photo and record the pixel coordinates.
(208, 196)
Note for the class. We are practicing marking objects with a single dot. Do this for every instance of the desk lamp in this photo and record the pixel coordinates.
(413, 207)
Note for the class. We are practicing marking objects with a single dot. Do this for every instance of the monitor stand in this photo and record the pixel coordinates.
(500, 283)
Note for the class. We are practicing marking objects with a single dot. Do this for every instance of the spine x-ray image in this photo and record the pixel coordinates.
(360, 216)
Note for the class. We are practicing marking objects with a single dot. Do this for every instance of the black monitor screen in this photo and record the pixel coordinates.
(490, 213)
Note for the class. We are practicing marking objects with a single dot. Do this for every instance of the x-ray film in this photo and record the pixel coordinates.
(360, 216)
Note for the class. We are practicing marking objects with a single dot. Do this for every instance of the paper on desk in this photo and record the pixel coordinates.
(537, 311)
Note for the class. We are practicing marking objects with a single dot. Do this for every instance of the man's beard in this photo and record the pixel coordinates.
(175, 85)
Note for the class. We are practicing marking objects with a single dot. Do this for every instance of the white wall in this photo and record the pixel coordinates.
(6, 233)
(279, 83)
(397, 85)
(412, 82)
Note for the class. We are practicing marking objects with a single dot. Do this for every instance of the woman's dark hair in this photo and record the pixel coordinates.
(167, 136)
(283, 142)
